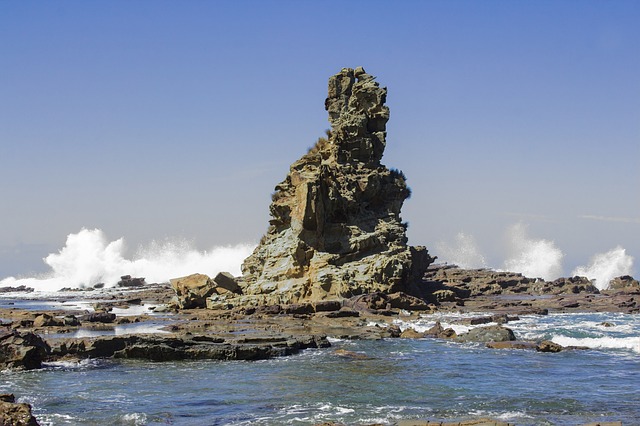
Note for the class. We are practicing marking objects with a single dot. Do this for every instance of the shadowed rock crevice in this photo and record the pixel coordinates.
(335, 228)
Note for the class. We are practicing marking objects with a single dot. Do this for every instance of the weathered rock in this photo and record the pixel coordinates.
(46, 320)
(548, 346)
(448, 282)
(440, 332)
(401, 300)
(161, 348)
(128, 281)
(624, 282)
(13, 413)
(410, 333)
(327, 305)
(192, 291)
(24, 351)
(493, 333)
(227, 281)
(336, 230)
(103, 317)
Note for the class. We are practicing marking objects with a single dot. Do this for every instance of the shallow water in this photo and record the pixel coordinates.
(402, 379)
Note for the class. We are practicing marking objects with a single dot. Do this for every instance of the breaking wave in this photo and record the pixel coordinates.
(606, 266)
(464, 252)
(89, 258)
(537, 258)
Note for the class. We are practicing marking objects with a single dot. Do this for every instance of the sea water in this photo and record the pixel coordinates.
(396, 379)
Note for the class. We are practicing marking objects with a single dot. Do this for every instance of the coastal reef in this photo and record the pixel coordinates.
(335, 228)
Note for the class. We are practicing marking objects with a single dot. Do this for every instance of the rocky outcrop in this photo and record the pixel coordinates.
(624, 282)
(14, 413)
(22, 351)
(192, 291)
(335, 228)
(181, 347)
(492, 333)
(449, 282)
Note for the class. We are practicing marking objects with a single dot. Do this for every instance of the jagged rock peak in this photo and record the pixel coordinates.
(335, 228)
(357, 115)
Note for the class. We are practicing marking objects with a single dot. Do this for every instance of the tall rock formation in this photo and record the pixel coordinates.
(335, 230)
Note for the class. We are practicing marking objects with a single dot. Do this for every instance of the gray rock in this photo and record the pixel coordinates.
(493, 333)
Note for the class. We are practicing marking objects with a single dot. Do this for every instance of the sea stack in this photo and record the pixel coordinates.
(335, 228)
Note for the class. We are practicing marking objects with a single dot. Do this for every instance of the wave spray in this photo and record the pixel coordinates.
(89, 258)
(606, 266)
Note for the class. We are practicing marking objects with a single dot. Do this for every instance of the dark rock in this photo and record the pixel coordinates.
(394, 331)
(269, 310)
(344, 312)
(24, 351)
(440, 332)
(20, 288)
(103, 317)
(401, 300)
(327, 305)
(227, 281)
(299, 308)
(128, 281)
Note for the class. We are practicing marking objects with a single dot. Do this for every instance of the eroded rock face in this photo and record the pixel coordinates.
(335, 230)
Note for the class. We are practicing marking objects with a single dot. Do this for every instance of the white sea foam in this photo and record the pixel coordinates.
(89, 258)
(536, 258)
(606, 266)
(628, 343)
(463, 252)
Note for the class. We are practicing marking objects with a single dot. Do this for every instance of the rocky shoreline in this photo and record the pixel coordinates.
(333, 264)
(253, 333)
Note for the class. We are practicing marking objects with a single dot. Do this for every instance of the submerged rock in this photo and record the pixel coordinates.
(335, 228)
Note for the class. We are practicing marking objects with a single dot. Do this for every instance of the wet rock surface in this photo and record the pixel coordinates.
(14, 413)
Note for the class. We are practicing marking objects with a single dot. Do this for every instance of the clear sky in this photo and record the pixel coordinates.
(154, 119)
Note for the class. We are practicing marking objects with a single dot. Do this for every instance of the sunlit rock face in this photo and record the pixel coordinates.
(335, 228)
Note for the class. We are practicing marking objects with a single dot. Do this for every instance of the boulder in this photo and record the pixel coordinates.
(15, 414)
(128, 281)
(440, 332)
(23, 351)
(192, 291)
(227, 281)
(102, 317)
(493, 333)
(335, 228)
(548, 346)
(46, 320)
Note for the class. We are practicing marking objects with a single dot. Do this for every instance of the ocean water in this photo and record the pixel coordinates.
(399, 379)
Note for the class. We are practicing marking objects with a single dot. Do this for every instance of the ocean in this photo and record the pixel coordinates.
(391, 379)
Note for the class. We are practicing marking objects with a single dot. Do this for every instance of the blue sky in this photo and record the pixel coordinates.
(154, 119)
